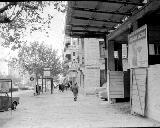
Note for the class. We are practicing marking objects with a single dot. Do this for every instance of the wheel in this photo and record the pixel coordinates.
(14, 105)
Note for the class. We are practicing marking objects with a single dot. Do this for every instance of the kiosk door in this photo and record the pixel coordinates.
(138, 90)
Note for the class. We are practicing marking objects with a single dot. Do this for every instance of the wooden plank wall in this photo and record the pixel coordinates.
(116, 84)
(153, 92)
(138, 90)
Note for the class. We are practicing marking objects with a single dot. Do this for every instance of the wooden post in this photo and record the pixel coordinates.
(120, 57)
(37, 84)
(51, 85)
(111, 66)
(111, 63)
(106, 56)
(45, 86)
(131, 84)
(42, 83)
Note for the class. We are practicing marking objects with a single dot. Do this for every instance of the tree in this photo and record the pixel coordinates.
(35, 57)
(16, 17)
(65, 69)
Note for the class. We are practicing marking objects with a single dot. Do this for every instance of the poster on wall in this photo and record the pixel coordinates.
(124, 50)
(125, 64)
(138, 48)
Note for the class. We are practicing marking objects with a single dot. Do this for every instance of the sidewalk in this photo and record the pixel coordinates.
(60, 111)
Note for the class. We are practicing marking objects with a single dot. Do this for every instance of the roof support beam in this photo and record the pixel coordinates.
(88, 35)
(88, 31)
(124, 2)
(106, 12)
(88, 26)
(85, 18)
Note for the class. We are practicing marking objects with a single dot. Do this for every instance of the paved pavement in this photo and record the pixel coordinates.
(60, 111)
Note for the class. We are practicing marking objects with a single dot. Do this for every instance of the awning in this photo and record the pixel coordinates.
(98, 18)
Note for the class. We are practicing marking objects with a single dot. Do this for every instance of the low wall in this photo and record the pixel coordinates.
(153, 92)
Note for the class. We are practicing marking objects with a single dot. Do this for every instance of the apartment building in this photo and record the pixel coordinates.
(70, 57)
(91, 64)
(86, 64)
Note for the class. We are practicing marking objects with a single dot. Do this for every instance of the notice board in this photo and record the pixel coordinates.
(138, 48)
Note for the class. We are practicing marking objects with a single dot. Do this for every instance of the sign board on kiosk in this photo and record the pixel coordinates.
(47, 72)
(138, 48)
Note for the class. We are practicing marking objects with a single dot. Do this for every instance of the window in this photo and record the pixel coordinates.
(154, 49)
(102, 49)
(73, 53)
(154, 54)
(102, 77)
(68, 56)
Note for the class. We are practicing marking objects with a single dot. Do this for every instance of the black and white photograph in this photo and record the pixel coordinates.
(80, 64)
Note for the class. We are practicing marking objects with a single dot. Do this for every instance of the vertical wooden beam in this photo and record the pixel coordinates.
(111, 63)
(120, 57)
(42, 83)
(110, 67)
(45, 86)
(106, 56)
(131, 84)
(51, 85)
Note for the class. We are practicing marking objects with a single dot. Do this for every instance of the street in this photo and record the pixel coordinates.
(58, 110)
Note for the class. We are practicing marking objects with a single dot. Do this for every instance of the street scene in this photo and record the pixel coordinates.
(60, 111)
(80, 64)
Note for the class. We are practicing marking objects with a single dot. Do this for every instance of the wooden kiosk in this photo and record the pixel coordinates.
(143, 71)
(118, 82)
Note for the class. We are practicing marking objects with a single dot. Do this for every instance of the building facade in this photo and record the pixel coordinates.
(85, 60)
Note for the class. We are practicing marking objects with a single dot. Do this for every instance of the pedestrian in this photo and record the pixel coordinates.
(37, 90)
(74, 89)
(68, 85)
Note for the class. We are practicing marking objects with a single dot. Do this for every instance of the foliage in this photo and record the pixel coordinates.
(14, 78)
(35, 57)
(20, 18)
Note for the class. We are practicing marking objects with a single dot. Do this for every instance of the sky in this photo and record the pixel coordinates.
(55, 39)
(56, 33)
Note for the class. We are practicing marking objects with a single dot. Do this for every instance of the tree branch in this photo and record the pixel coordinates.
(7, 6)
(5, 20)
(31, 7)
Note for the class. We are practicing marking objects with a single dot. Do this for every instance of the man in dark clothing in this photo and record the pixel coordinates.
(74, 89)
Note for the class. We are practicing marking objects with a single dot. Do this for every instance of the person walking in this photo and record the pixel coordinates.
(74, 89)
